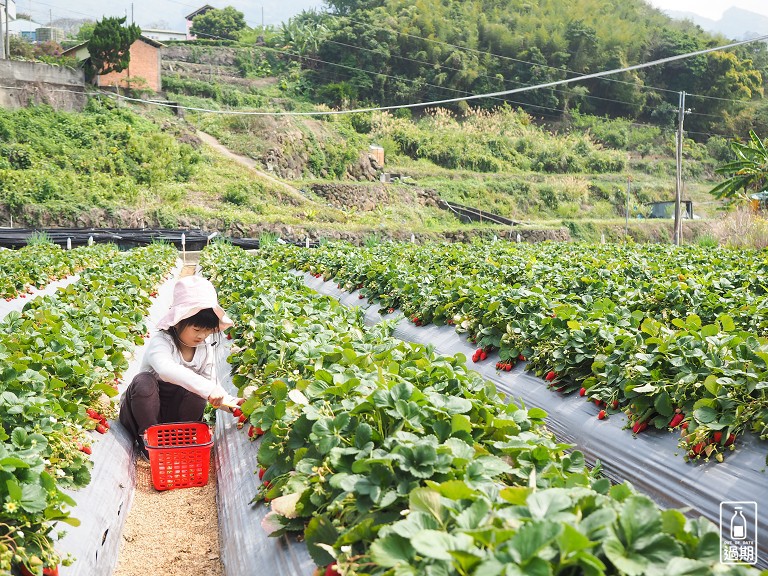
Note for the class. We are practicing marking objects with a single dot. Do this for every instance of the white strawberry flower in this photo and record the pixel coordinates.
(286, 505)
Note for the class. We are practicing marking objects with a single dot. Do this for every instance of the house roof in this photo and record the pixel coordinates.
(201, 10)
(142, 38)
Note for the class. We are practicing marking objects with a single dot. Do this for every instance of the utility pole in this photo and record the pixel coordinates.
(7, 32)
(679, 181)
(2, 44)
(626, 223)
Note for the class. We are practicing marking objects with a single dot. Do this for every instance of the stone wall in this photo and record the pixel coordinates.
(365, 198)
(26, 83)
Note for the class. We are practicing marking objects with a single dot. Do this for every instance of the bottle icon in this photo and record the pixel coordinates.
(738, 525)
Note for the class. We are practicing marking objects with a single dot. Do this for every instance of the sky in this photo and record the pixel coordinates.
(170, 13)
(711, 9)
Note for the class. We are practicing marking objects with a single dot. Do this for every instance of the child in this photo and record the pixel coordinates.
(177, 375)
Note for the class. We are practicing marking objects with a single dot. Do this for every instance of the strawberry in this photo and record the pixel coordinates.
(237, 412)
(330, 570)
(697, 449)
(262, 471)
(601, 415)
(267, 484)
(639, 427)
(229, 336)
(242, 418)
(483, 355)
(731, 439)
(508, 368)
(615, 404)
(101, 429)
(717, 436)
(521, 358)
(551, 375)
(251, 431)
(93, 414)
(582, 392)
(684, 426)
(676, 420)
(258, 431)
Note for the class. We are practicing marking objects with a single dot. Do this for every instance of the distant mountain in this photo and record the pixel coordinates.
(735, 23)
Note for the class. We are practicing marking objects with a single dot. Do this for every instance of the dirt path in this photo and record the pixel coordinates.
(175, 532)
(250, 163)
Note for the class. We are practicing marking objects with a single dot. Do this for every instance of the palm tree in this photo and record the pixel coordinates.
(747, 174)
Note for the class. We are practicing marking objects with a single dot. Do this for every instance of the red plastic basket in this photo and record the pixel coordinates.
(179, 454)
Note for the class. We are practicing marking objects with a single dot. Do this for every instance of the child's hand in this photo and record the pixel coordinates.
(216, 397)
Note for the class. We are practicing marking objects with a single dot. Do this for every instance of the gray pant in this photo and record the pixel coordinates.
(149, 401)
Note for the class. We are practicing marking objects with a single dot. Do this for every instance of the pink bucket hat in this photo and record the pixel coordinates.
(190, 295)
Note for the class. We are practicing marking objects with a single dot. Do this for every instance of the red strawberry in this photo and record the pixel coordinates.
(601, 415)
(731, 439)
(330, 570)
(229, 336)
(237, 412)
(551, 375)
(251, 432)
(93, 414)
(259, 431)
(242, 418)
(717, 436)
(615, 404)
(53, 571)
(101, 429)
(639, 427)
(267, 484)
(483, 355)
(699, 447)
(684, 426)
(521, 358)
(508, 368)
(676, 420)
(582, 391)
(262, 471)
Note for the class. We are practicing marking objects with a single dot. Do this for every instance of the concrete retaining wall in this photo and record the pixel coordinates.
(26, 83)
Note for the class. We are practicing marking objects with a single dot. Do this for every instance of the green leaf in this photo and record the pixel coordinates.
(571, 540)
(320, 530)
(426, 500)
(705, 415)
(390, 551)
(531, 538)
(437, 544)
(460, 423)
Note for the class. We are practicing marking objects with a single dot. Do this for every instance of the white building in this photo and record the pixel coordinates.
(24, 28)
(163, 35)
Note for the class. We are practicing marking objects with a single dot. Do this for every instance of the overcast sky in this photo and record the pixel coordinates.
(148, 13)
(712, 9)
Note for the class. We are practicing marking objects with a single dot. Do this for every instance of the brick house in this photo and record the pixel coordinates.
(145, 63)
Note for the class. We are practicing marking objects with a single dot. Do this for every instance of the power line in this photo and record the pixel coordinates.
(479, 96)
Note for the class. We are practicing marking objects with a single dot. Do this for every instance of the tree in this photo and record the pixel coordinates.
(225, 23)
(747, 174)
(85, 32)
(109, 46)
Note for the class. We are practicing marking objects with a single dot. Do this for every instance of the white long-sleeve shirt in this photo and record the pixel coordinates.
(164, 360)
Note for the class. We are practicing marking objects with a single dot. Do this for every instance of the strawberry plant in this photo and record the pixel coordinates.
(390, 458)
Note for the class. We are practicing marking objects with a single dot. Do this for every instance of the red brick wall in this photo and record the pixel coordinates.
(145, 63)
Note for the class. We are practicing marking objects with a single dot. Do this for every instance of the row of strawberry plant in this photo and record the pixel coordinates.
(60, 359)
(617, 346)
(391, 459)
(36, 265)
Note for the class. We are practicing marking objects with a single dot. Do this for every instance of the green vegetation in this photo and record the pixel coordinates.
(109, 46)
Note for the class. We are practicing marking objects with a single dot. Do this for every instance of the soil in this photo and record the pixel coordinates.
(173, 532)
